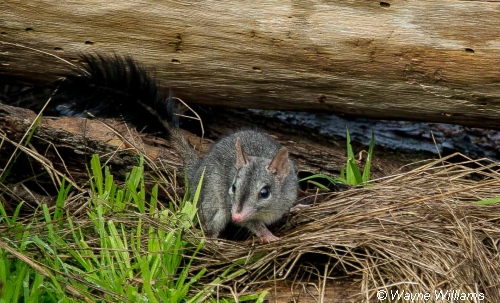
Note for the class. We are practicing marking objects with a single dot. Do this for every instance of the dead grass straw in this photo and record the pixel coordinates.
(418, 231)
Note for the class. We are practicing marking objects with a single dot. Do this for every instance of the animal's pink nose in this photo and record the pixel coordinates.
(237, 218)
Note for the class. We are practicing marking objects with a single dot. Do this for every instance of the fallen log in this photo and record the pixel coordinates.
(66, 144)
(67, 141)
(412, 60)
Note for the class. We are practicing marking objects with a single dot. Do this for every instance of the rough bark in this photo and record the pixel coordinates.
(67, 143)
(417, 60)
(67, 139)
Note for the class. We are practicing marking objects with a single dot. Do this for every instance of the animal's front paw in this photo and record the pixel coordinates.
(268, 238)
(299, 207)
(261, 231)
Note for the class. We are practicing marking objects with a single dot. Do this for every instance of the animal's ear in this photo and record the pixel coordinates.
(280, 166)
(241, 156)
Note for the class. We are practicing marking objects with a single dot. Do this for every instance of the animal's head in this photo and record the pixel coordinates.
(257, 186)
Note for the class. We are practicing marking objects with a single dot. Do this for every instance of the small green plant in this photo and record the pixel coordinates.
(123, 257)
(350, 173)
(126, 248)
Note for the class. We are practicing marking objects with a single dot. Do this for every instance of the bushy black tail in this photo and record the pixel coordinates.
(111, 86)
(115, 86)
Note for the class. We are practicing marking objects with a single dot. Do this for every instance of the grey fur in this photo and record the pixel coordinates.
(218, 202)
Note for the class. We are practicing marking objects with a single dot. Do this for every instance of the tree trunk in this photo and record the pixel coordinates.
(415, 60)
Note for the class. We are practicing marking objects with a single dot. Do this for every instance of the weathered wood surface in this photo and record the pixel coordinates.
(68, 143)
(423, 60)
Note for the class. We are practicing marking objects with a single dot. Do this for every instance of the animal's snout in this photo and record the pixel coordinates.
(237, 218)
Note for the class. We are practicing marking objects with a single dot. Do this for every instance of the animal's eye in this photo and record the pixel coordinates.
(264, 192)
(233, 188)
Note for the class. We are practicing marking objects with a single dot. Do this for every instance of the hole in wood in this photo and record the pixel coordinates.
(58, 49)
(469, 50)
(89, 42)
(385, 4)
(3, 33)
(257, 69)
(29, 29)
(175, 61)
(484, 101)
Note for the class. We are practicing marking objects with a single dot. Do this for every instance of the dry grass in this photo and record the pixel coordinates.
(418, 231)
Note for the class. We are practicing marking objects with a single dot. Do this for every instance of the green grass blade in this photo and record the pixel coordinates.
(488, 201)
(367, 168)
(352, 172)
(95, 167)
(353, 176)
